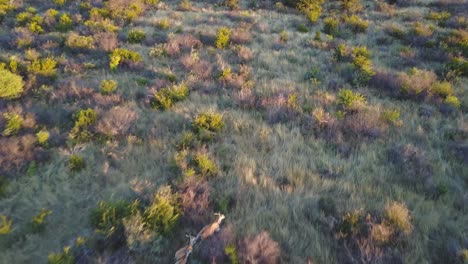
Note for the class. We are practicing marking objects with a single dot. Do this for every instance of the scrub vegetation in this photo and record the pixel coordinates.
(329, 131)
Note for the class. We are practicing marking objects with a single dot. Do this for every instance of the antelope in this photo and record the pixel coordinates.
(210, 229)
(181, 255)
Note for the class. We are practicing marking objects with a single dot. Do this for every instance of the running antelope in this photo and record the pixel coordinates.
(210, 229)
(181, 256)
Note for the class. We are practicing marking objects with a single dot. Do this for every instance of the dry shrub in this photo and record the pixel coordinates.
(106, 41)
(179, 43)
(195, 201)
(364, 124)
(241, 35)
(385, 8)
(281, 107)
(398, 216)
(117, 121)
(244, 53)
(16, 152)
(387, 81)
(416, 83)
(202, 69)
(212, 249)
(412, 162)
(245, 98)
(259, 249)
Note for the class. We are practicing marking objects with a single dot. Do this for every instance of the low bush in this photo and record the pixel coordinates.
(311, 8)
(205, 166)
(208, 121)
(223, 37)
(442, 89)
(398, 216)
(136, 36)
(123, 55)
(42, 138)
(260, 248)
(166, 97)
(13, 125)
(84, 119)
(356, 24)
(5, 225)
(163, 213)
(38, 221)
(75, 41)
(350, 100)
(107, 87)
(11, 85)
(452, 101)
(46, 67)
(330, 26)
(351, 6)
(65, 23)
(416, 82)
(391, 117)
(64, 257)
(76, 163)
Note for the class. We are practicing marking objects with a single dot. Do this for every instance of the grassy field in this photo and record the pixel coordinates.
(330, 131)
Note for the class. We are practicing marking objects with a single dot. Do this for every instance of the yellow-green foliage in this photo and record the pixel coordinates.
(223, 37)
(34, 27)
(65, 23)
(107, 86)
(350, 100)
(391, 116)
(452, 101)
(163, 213)
(442, 89)
(42, 137)
(284, 36)
(163, 23)
(136, 36)
(356, 24)
(107, 217)
(38, 221)
(64, 257)
(75, 41)
(166, 97)
(5, 8)
(205, 166)
(5, 225)
(59, 2)
(364, 65)
(45, 67)
(311, 8)
(351, 6)
(11, 85)
(209, 121)
(84, 119)
(120, 55)
(330, 25)
(231, 251)
(151, 2)
(13, 125)
(398, 216)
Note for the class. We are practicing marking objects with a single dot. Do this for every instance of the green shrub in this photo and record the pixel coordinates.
(302, 28)
(222, 37)
(356, 24)
(107, 218)
(205, 166)
(340, 52)
(42, 137)
(212, 122)
(364, 65)
(350, 100)
(65, 23)
(136, 36)
(284, 36)
(45, 67)
(76, 41)
(38, 221)
(453, 101)
(151, 2)
(76, 163)
(391, 116)
(330, 26)
(416, 81)
(13, 125)
(440, 17)
(349, 224)
(5, 8)
(163, 23)
(231, 251)
(107, 86)
(361, 51)
(232, 4)
(311, 8)
(123, 55)
(11, 85)
(459, 65)
(351, 6)
(166, 97)
(398, 216)
(64, 257)
(163, 213)
(84, 119)
(5, 225)
(442, 89)
(34, 27)
(59, 2)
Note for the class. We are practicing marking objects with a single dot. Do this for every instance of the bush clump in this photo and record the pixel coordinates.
(76, 163)
(11, 85)
(107, 86)
(223, 37)
(13, 125)
(84, 119)
(136, 36)
(166, 97)
(416, 82)
(45, 67)
(330, 26)
(356, 24)
(163, 213)
(311, 8)
(75, 41)
(398, 216)
(123, 55)
(212, 122)
(350, 100)
(65, 23)
(38, 221)
(64, 257)
(5, 225)
(205, 166)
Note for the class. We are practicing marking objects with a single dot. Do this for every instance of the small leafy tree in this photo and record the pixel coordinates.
(163, 213)
(223, 37)
(11, 85)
